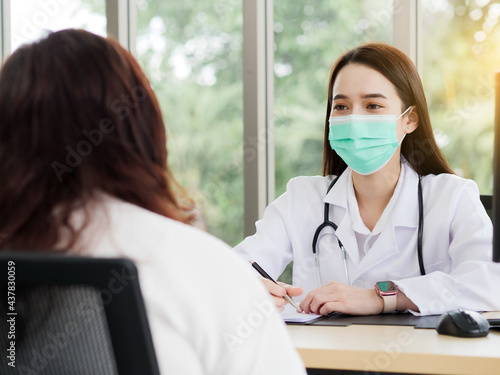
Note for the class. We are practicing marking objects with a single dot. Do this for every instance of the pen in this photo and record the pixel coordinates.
(264, 274)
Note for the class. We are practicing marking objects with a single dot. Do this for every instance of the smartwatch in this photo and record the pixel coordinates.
(389, 292)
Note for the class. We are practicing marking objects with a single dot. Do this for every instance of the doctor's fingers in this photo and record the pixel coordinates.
(279, 302)
(292, 291)
(332, 288)
(326, 303)
(329, 307)
(305, 304)
(274, 289)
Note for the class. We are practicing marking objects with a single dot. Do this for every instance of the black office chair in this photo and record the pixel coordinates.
(487, 201)
(72, 315)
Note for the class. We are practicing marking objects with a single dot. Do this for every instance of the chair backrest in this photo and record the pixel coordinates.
(487, 201)
(72, 315)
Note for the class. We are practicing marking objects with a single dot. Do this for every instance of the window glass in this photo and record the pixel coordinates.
(460, 58)
(30, 19)
(309, 36)
(192, 53)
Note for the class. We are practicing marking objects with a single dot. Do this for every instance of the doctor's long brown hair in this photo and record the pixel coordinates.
(78, 116)
(419, 148)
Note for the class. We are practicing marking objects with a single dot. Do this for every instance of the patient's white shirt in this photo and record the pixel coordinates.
(207, 312)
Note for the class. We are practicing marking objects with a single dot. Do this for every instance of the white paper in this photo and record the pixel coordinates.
(290, 315)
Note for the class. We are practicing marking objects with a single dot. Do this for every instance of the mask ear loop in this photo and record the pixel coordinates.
(402, 114)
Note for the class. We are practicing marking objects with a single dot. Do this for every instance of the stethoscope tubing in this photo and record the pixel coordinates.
(420, 227)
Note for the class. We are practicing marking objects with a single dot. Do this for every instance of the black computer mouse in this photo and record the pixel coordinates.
(463, 323)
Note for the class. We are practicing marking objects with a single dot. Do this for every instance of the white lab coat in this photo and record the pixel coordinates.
(457, 241)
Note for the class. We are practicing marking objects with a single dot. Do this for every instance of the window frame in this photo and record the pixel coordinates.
(5, 30)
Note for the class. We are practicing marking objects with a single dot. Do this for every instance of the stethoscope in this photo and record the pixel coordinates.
(327, 223)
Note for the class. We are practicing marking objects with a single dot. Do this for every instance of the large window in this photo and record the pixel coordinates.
(31, 19)
(192, 52)
(461, 56)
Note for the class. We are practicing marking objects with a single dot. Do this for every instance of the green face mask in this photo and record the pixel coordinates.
(365, 142)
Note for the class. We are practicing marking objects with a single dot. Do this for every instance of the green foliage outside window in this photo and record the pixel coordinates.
(460, 58)
(192, 52)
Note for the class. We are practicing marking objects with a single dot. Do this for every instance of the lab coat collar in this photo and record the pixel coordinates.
(339, 214)
(407, 203)
(337, 196)
(407, 200)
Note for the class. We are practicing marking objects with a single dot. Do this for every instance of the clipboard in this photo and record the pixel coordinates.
(396, 319)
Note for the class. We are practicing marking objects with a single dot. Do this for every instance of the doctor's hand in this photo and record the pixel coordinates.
(278, 291)
(342, 298)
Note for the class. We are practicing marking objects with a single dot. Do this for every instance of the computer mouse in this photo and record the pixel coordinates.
(463, 323)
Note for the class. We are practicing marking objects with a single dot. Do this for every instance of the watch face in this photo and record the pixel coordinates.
(386, 288)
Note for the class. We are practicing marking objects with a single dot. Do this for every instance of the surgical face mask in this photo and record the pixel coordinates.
(365, 142)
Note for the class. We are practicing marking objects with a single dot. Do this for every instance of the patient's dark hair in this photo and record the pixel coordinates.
(78, 117)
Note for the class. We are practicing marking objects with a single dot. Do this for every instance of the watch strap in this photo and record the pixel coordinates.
(388, 291)
(390, 303)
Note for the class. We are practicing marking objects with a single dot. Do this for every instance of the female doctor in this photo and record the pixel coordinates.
(389, 227)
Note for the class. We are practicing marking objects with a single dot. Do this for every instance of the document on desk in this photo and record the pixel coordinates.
(290, 315)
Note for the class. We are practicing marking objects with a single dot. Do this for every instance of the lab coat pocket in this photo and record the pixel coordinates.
(407, 274)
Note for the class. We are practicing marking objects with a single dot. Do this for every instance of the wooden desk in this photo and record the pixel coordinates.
(401, 349)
